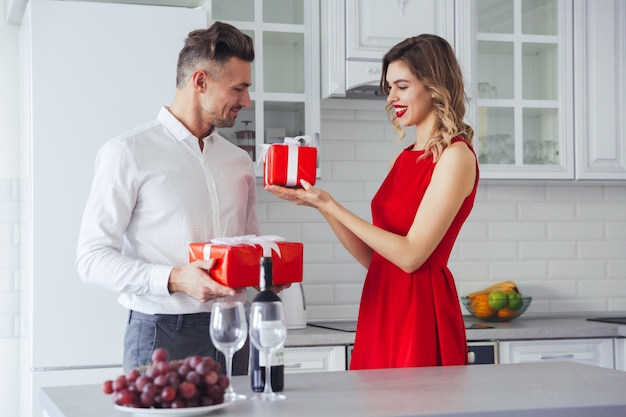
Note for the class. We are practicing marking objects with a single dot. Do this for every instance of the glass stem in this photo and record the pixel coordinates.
(229, 373)
(267, 390)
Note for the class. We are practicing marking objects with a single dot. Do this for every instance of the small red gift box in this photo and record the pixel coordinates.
(288, 164)
(237, 265)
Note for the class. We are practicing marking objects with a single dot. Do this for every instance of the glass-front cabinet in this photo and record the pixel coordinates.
(520, 85)
(285, 89)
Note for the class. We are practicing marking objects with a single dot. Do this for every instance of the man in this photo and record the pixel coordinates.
(166, 184)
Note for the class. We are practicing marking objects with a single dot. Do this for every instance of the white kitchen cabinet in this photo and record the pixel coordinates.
(520, 84)
(315, 359)
(285, 89)
(356, 34)
(600, 80)
(598, 352)
(546, 82)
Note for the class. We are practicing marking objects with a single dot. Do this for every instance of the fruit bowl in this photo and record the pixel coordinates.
(480, 308)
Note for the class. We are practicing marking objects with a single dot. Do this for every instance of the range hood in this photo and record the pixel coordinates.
(16, 8)
(352, 79)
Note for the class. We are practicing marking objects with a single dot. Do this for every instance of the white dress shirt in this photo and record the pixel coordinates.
(153, 193)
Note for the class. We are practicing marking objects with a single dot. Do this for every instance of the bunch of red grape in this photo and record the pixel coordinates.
(191, 382)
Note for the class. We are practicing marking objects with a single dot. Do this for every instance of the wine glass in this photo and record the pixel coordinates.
(228, 331)
(268, 332)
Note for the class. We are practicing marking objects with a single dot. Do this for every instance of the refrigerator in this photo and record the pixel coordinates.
(89, 71)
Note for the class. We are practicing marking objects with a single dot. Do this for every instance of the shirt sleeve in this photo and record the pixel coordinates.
(252, 219)
(99, 257)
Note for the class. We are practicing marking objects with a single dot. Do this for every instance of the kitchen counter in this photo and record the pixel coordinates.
(546, 390)
(527, 327)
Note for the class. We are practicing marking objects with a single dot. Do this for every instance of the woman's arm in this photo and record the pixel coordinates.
(452, 181)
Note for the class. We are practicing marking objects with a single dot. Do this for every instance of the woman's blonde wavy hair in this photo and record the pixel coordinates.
(431, 59)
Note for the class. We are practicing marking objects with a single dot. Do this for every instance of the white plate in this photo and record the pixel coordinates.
(170, 412)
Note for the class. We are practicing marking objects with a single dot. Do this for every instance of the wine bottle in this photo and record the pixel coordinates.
(257, 361)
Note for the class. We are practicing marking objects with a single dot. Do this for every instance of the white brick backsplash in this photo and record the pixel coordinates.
(336, 114)
(10, 350)
(345, 191)
(616, 268)
(318, 294)
(617, 305)
(575, 305)
(348, 293)
(469, 271)
(580, 230)
(9, 302)
(353, 130)
(576, 269)
(518, 271)
(376, 151)
(334, 273)
(487, 250)
(597, 288)
(289, 231)
(602, 211)
(602, 250)
(6, 189)
(339, 150)
(575, 193)
(332, 312)
(497, 192)
(615, 192)
(317, 232)
(319, 252)
(9, 257)
(8, 326)
(7, 235)
(547, 211)
(282, 211)
(8, 281)
(341, 254)
(547, 250)
(517, 230)
(616, 230)
(359, 170)
(378, 115)
(549, 289)
(9, 212)
(473, 230)
(490, 211)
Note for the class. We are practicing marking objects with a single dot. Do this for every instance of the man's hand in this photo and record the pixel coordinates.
(194, 280)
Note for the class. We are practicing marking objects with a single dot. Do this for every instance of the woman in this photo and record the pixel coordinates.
(409, 313)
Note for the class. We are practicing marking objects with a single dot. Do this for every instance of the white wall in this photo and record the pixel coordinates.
(564, 243)
(9, 217)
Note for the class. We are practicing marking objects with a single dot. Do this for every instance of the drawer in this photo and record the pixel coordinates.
(315, 359)
(598, 352)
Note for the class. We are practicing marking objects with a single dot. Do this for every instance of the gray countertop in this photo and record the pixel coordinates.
(527, 327)
(546, 390)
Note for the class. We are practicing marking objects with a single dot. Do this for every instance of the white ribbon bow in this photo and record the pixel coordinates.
(267, 242)
(304, 140)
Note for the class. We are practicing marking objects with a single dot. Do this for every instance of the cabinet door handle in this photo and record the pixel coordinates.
(563, 356)
(373, 70)
(296, 365)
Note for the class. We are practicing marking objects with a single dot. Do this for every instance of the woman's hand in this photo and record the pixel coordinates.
(305, 196)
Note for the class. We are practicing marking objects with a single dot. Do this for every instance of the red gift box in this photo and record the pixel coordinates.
(238, 265)
(288, 164)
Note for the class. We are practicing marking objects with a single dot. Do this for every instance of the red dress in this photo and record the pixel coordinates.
(410, 319)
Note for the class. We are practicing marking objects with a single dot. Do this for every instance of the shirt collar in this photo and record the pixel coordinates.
(174, 125)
